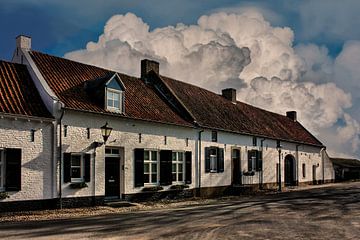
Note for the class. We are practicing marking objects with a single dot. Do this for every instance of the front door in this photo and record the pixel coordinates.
(236, 171)
(289, 171)
(112, 177)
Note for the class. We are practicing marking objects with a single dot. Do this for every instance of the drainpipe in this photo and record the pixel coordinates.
(322, 151)
(262, 160)
(60, 158)
(201, 131)
(297, 163)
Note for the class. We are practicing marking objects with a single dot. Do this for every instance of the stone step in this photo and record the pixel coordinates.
(119, 203)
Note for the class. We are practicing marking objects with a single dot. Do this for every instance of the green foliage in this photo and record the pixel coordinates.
(78, 185)
(152, 189)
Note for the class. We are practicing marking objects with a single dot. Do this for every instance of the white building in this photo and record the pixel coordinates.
(168, 137)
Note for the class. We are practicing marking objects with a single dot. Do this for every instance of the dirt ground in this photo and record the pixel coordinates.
(331, 211)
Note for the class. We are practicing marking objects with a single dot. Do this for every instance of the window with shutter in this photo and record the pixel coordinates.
(220, 163)
(178, 167)
(76, 167)
(150, 170)
(207, 159)
(13, 169)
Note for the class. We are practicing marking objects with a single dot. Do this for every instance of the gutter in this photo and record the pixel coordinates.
(60, 158)
(199, 173)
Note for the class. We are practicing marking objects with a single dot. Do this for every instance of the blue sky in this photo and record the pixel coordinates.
(61, 26)
(304, 54)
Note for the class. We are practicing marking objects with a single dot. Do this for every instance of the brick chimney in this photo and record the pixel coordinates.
(148, 65)
(291, 115)
(229, 94)
(23, 42)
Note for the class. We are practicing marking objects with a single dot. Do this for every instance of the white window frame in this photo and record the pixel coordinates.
(150, 161)
(81, 179)
(213, 161)
(2, 170)
(177, 162)
(113, 108)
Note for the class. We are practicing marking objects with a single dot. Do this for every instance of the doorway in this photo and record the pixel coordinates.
(236, 167)
(289, 170)
(112, 173)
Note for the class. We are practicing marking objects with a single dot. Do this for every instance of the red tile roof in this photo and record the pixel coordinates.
(214, 111)
(18, 94)
(66, 78)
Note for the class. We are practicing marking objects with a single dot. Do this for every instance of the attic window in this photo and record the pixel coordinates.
(115, 91)
(113, 100)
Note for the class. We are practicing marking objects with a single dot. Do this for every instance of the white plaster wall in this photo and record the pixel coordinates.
(125, 135)
(36, 157)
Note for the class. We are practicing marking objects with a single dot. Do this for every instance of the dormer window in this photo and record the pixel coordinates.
(114, 94)
(113, 99)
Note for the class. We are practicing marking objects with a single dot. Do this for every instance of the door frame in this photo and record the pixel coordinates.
(232, 165)
(120, 157)
(289, 159)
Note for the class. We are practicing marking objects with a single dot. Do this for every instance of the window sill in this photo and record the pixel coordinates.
(77, 180)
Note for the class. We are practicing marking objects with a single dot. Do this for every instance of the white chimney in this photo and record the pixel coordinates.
(23, 42)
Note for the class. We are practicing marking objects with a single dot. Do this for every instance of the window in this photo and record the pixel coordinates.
(88, 133)
(112, 151)
(150, 167)
(2, 170)
(178, 167)
(187, 142)
(114, 99)
(303, 170)
(254, 160)
(65, 130)
(213, 160)
(254, 141)
(76, 167)
(32, 135)
(139, 137)
(214, 136)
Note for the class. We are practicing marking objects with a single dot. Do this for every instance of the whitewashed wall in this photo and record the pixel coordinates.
(37, 171)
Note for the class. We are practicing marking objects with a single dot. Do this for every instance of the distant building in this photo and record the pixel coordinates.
(346, 168)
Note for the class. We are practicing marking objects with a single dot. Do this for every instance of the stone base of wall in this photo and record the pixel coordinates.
(161, 195)
(45, 204)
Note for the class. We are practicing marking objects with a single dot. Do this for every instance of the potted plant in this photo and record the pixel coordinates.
(4, 195)
(78, 185)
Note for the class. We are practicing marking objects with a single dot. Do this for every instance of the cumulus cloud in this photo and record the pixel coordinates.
(240, 50)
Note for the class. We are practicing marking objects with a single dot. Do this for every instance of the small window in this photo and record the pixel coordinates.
(214, 136)
(32, 135)
(88, 133)
(178, 167)
(150, 167)
(76, 167)
(254, 141)
(2, 170)
(65, 130)
(112, 151)
(303, 170)
(165, 140)
(114, 100)
(139, 137)
(213, 160)
(187, 142)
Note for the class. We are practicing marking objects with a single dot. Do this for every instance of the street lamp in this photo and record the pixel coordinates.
(278, 148)
(105, 132)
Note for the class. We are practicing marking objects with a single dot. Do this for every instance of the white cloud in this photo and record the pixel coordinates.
(215, 54)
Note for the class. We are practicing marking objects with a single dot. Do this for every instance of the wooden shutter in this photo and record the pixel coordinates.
(67, 167)
(207, 159)
(13, 169)
(87, 163)
(165, 167)
(259, 161)
(250, 153)
(220, 160)
(188, 164)
(139, 167)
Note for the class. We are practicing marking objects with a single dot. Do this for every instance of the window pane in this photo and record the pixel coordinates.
(75, 173)
(180, 156)
(174, 156)
(146, 155)
(115, 151)
(109, 95)
(174, 167)
(146, 178)
(154, 168)
(107, 150)
(116, 103)
(153, 155)
(116, 96)
(110, 103)
(146, 167)
(180, 167)
(75, 160)
(174, 177)
(153, 178)
(180, 177)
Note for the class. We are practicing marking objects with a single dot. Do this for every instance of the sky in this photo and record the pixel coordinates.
(278, 55)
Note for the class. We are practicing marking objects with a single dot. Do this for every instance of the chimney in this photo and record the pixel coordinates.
(229, 94)
(23, 42)
(148, 65)
(291, 115)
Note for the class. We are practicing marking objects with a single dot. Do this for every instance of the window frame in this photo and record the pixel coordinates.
(2, 169)
(113, 108)
(82, 168)
(214, 136)
(150, 161)
(177, 162)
